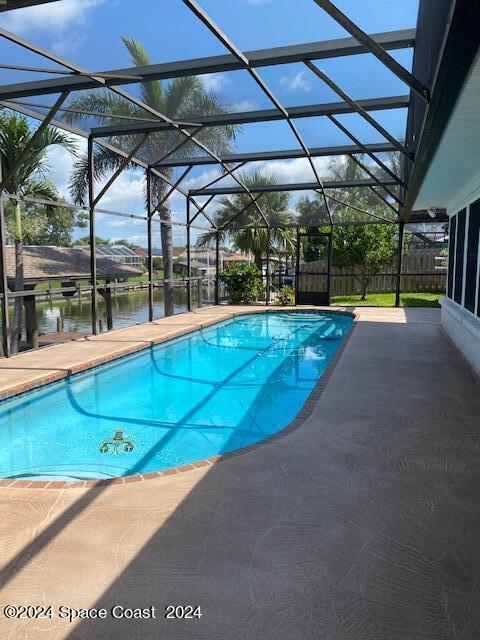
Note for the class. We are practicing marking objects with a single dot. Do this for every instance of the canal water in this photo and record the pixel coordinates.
(128, 308)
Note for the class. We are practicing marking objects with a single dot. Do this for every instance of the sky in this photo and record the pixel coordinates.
(88, 33)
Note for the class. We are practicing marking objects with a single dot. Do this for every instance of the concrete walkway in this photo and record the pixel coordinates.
(363, 524)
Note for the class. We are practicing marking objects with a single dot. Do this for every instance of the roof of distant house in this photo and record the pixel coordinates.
(61, 263)
(237, 257)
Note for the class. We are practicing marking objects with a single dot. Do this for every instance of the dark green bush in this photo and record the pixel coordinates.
(243, 282)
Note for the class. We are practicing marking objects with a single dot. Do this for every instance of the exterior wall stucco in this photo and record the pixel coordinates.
(462, 326)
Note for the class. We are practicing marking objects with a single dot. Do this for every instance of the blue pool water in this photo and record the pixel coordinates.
(210, 392)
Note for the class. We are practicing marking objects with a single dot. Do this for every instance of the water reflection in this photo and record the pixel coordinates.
(129, 308)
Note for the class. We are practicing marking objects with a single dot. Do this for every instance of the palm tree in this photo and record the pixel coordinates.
(247, 231)
(30, 180)
(312, 212)
(181, 100)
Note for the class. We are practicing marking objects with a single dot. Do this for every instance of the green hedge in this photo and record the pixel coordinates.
(243, 282)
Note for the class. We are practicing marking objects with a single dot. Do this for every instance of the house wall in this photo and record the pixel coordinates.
(461, 306)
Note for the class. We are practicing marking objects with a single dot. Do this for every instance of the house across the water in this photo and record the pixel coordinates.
(67, 265)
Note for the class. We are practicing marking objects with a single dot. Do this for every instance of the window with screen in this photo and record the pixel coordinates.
(459, 255)
(472, 256)
(451, 254)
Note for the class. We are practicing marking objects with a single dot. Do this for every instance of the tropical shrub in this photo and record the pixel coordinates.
(243, 282)
(286, 296)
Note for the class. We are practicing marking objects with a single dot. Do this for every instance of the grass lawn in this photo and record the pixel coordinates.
(388, 300)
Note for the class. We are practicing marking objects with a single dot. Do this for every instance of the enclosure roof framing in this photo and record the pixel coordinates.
(260, 82)
(418, 217)
(391, 40)
(295, 186)
(261, 115)
(83, 134)
(74, 78)
(8, 5)
(375, 48)
(282, 154)
(131, 99)
(79, 132)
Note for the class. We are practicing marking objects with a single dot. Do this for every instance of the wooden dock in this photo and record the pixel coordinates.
(59, 337)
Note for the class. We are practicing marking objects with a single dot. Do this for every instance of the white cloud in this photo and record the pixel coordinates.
(124, 222)
(116, 229)
(202, 179)
(215, 81)
(244, 105)
(178, 200)
(67, 43)
(136, 238)
(296, 82)
(285, 171)
(50, 17)
(60, 163)
(63, 20)
(298, 170)
(125, 194)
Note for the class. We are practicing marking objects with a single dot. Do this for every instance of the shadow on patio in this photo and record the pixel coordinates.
(360, 524)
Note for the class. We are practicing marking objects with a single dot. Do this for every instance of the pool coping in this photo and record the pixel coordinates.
(302, 415)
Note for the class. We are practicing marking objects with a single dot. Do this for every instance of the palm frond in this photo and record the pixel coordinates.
(43, 189)
(51, 136)
(179, 99)
(15, 134)
(247, 231)
(152, 92)
(187, 98)
(105, 162)
(102, 102)
(181, 95)
(207, 237)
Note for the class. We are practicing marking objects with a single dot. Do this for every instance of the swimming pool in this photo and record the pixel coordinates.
(210, 392)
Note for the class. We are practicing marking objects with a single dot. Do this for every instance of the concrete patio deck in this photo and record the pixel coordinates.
(363, 524)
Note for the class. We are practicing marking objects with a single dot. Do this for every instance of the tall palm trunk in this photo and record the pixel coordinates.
(167, 254)
(16, 327)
